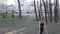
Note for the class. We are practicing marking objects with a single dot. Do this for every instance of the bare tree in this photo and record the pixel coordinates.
(20, 15)
(35, 10)
(50, 10)
(41, 9)
(40, 6)
(45, 9)
(56, 11)
(39, 14)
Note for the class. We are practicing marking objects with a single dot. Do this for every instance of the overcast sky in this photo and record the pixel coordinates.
(9, 2)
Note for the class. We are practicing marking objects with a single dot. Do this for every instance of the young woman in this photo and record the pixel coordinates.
(42, 25)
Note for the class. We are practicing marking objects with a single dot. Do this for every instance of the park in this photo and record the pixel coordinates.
(22, 17)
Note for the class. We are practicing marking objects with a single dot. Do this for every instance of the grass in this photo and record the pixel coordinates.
(53, 28)
(7, 19)
(1, 27)
(14, 21)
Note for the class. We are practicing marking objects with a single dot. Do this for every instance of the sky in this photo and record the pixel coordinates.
(9, 2)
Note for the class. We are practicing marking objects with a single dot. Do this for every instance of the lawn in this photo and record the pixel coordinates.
(12, 21)
(53, 28)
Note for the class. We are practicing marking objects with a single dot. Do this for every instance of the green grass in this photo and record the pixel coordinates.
(53, 28)
(15, 20)
(2, 27)
(7, 19)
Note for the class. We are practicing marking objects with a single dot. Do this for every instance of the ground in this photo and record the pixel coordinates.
(25, 25)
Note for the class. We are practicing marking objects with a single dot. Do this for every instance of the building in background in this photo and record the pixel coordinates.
(27, 8)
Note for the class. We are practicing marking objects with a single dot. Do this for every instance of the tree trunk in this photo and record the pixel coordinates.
(20, 15)
(13, 14)
(45, 9)
(38, 11)
(6, 14)
(35, 10)
(41, 9)
(56, 11)
(50, 10)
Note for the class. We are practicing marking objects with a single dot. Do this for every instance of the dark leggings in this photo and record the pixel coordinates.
(41, 30)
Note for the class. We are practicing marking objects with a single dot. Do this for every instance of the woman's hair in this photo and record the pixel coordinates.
(42, 17)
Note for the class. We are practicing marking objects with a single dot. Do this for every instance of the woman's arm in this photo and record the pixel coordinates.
(45, 26)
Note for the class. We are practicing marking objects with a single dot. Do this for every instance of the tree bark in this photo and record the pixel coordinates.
(45, 10)
(50, 10)
(20, 15)
(56, 11)
(35, 10)
(39, 14)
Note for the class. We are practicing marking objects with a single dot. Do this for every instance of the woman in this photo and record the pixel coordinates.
(42, 25)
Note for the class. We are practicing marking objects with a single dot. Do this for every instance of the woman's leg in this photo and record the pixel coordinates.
(41, 30)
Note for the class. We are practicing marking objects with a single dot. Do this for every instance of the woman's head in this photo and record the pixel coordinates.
(42, 17)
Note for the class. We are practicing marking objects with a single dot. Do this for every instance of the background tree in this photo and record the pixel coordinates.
(20, 15)
(56, 11)
(13, 14)
(6, 14)
(35, 10)
(50, 10)
(39, 14)
(3, 15)
(45, 9)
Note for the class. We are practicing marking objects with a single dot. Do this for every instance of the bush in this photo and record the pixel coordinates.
(13, 16)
